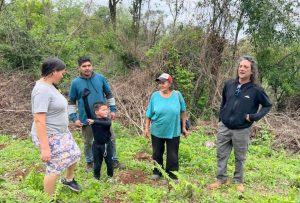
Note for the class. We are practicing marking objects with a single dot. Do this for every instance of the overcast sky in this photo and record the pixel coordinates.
(158, 5)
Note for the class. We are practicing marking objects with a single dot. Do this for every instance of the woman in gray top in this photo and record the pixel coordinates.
(50, 127)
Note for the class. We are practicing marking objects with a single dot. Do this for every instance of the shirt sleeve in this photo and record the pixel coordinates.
(266, 104)
(73, 94)
(182, 102)
(109, 96)
(73, 97)
(223, 100)
(41, 100)
(149, 112)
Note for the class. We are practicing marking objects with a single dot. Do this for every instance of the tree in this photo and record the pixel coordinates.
(112, 4)
(2, 5)
(275, 38)
(175, 6)
(136, 11)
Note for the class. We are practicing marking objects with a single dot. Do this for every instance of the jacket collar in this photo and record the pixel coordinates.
(81, 76)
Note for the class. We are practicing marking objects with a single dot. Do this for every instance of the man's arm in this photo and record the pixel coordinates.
(72, 105)
(109, 96)
(266, 104)
(223, 101)
(102, 122)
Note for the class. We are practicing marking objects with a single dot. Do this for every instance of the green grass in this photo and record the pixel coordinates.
(270, 176)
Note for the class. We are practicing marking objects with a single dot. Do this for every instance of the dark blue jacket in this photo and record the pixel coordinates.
(236, 105)
(101, 130)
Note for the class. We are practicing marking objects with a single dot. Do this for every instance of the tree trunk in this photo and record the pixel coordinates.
(113, 12)
(136, 18)
(1, 5)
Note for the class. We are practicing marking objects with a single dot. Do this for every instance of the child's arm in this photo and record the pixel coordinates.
(103, 122)
(90, 121)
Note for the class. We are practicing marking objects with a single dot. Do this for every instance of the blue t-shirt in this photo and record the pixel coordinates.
(164, 114)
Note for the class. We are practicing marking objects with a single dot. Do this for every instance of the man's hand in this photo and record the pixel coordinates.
(112, 115)
(78, 123)
(248, 118)
(46, 154)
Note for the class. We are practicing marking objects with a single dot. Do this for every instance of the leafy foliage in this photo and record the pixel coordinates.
(270, 176)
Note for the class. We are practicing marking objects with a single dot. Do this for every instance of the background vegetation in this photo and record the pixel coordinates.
(200, 51)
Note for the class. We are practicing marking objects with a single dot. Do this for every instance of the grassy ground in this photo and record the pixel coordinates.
(271, 176)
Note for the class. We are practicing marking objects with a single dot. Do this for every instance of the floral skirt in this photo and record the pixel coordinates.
(64, 152)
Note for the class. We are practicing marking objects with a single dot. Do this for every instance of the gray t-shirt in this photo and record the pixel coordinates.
(47, 99)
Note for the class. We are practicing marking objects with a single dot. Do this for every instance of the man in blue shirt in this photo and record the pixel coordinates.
(99, 91)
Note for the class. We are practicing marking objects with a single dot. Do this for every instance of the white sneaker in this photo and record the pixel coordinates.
(111, 180)
(155, 177)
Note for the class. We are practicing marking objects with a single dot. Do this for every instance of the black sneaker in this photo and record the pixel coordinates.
(118, 165)
(73, 185)
(55, 201)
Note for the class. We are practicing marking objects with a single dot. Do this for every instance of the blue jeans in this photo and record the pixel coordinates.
(88, 138)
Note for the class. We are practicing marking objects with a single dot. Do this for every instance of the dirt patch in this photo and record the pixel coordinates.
(119, 198)
(137, 176)
(209, 127)
(131, 177)
(17, 175)
(15, 106)
(2, 146)
(143, 156)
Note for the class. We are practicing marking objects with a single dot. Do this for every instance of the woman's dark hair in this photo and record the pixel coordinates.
(83, 59)
(254, 75)
(52, 64)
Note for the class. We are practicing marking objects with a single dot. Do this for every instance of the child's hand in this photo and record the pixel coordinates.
(90, 121)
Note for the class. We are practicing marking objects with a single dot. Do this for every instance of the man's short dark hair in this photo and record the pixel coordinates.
(97, 105)
(84, 59)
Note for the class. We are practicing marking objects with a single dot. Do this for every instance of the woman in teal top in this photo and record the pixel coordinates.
(165, 110)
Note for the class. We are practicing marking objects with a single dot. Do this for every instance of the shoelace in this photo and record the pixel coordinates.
(105, 150)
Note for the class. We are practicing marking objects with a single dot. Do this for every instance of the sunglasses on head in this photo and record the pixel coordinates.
(238, 90)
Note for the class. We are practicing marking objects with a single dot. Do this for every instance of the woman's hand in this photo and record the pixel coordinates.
(185, 132)
(46, 154)
(146, 128)
(147, 133)
(90, 121)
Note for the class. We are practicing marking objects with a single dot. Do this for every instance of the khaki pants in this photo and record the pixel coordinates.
(238, 139)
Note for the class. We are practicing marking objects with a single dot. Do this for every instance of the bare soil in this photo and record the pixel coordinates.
(2, 146)
(132, 177)
(143, 156)
(15, 107)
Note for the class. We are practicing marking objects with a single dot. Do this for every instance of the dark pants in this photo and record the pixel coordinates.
(158, 146)
(88, 138)
(101, 152)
